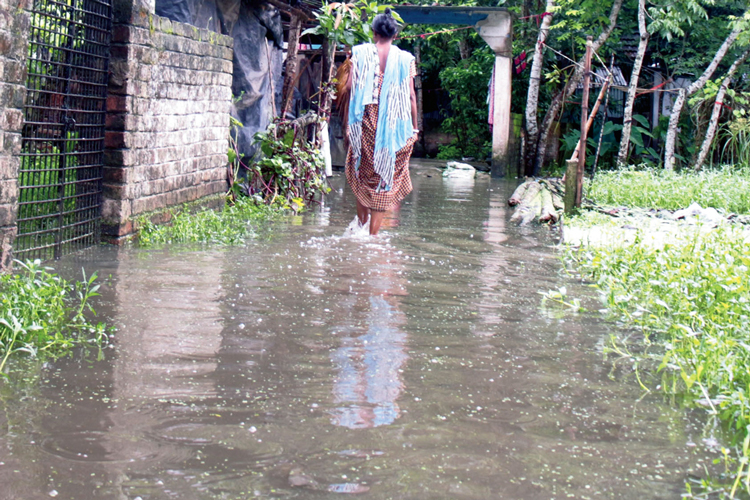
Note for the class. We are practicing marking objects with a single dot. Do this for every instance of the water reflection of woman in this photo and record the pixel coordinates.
(368, 383)
(381, 132)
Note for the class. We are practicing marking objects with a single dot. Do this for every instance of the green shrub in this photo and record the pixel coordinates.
(43, 314)
(289, 170)
(727, 189)
(233, 225)
(466, 83)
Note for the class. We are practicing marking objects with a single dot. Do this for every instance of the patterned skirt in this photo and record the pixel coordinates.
(365, 182)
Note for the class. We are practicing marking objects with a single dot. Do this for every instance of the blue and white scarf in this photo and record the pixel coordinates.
(394, 112)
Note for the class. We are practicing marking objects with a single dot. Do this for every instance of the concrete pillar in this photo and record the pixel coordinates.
(497, 30)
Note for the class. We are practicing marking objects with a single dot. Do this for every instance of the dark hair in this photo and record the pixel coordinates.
(384, 24)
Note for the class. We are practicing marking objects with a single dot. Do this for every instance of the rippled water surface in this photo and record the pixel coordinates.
(422, 365)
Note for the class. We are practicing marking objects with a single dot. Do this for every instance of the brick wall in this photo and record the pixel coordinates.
(167, 118)
(14, 29)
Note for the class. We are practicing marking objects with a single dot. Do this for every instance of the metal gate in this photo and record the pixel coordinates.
(60, 177)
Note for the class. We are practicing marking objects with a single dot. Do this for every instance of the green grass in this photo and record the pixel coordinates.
(43, 314)
(233, 225)
(727, 189)
(691, 300)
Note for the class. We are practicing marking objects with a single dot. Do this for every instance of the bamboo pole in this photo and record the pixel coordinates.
(418, 90)
(594, 111)
(295, 28)
(584, 121)
(604, 120)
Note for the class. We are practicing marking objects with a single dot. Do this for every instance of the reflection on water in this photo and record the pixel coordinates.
(369, 364)
(307, 365)
(369, 370)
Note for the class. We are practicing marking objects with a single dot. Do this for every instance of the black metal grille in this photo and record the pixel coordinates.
(60, 178)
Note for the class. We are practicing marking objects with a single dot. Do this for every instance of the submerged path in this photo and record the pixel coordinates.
(307, 365)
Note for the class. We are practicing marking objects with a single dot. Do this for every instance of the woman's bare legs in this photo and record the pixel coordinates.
(376, 219)
(362, 213)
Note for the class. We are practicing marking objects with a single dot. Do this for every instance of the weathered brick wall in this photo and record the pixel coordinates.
(14, 29)
(167, 118)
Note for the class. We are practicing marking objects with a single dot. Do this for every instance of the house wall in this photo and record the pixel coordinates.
(14, 28)
(167, 118)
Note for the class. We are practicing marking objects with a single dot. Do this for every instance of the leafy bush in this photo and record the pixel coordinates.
(290, 171)
(41, 313)
(727, 189)
(347, 23)
(466, 83)
(233, 225)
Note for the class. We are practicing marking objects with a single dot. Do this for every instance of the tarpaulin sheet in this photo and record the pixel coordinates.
(199, 13)
(258, 37)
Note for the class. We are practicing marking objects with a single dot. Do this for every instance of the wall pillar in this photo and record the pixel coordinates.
(14, 32)
(497, 31)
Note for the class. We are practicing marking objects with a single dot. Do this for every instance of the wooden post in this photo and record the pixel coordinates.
(418, 90)
(584, 119)
(295, 27)
(570, 185)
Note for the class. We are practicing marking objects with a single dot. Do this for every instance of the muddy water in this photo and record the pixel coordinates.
(306, 365)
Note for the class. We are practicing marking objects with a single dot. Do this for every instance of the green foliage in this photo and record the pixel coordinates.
(691, 300)
(233, 225)
(576, 19)
(609, 143)
(347, 23)
(671, 19)
(43, 314)
(288, 171)
(449, 152)
(726, 189)
(466, 83)
(732, 145)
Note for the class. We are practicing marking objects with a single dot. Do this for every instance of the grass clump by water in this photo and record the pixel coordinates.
(43, 314)
(233, 225)
(691, 299)
(727, 189)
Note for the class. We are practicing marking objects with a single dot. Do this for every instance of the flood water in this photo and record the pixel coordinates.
(423, 365)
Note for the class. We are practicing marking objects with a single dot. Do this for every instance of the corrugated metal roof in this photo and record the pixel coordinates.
(597, 81)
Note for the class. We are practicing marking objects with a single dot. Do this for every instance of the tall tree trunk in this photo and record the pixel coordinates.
(570, 87)
(627, 124)
(674, 117)
(295, 25)
(716, 112)
(327, 72)
(463, 47)
(532, 97)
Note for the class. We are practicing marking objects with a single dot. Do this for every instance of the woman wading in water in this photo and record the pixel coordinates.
(382, 123)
